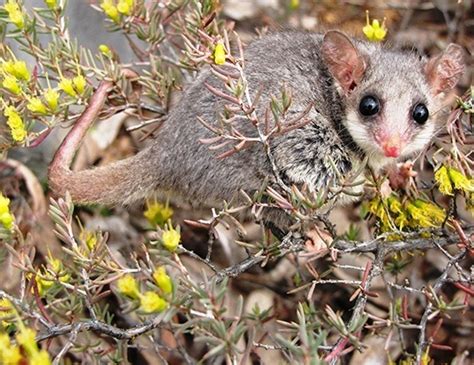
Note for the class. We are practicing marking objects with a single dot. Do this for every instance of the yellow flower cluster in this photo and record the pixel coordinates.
(374, 32)
(73, 87)
(50, 104)
(14, 121)
(6, 218)
(45, 280)
(9, 353)
(450, 179)
(15, 14)
(219, 54)
(15, 76)
(150, 302)
(90, 238)
(425, 214)
(157, 213)
(26, 338)
(17, 69)
(417, 213)
(6, 310)
(114, 9)
(25, 351)
(14, 73)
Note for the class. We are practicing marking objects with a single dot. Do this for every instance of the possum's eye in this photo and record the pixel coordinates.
(420, 113)
(369, 105)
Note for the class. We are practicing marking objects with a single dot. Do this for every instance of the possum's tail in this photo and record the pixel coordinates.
(121, 182)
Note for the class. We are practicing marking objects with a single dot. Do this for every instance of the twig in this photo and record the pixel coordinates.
(102, 328)
(422, 342)
(67, 347)
(359, 306)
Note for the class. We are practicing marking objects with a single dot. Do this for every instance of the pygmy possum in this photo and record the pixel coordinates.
(368, 103)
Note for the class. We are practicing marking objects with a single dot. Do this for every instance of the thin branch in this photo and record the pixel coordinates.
(422, 341)
(103, 328)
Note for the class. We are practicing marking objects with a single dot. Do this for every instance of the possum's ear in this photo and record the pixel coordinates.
(444, 71)
(343, 59)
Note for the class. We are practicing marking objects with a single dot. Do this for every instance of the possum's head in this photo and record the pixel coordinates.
(391, 98)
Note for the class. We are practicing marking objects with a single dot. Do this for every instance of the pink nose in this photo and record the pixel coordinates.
(391, 151)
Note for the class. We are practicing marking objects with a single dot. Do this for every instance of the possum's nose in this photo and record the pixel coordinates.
(392, 151)
(392, 145)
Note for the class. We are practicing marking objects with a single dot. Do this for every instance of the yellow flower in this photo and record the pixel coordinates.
(158, 213)
(377, 208)
(294, 4)
(460, 181)
(43, 285)
(51, 3)
(396, 208)
(21, 71)
(79, 84)
(58, 268)
(151, 302)
(14, 121)
(40, 358)
(394, 205)
(4, 338)
(425, 358)
(105, 50)
(26, 338)
(9, 354)
(443, 180)
(425, 214)
(51, 96)
(35, 105)
(8, 67)
(90, 239)
(6, 218)
(163, 280)
(418, 216)
(434, 212)
(11, 84)
(128, 286)
(14, 13)
(67, 86)
(170, 238)
(6, 307)
(6, 310)
(110, 10)
(45, 280)
(125, 6)
(449, 179)
(18, 135)
(374, 32)
(17, 69)
(219, 54)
